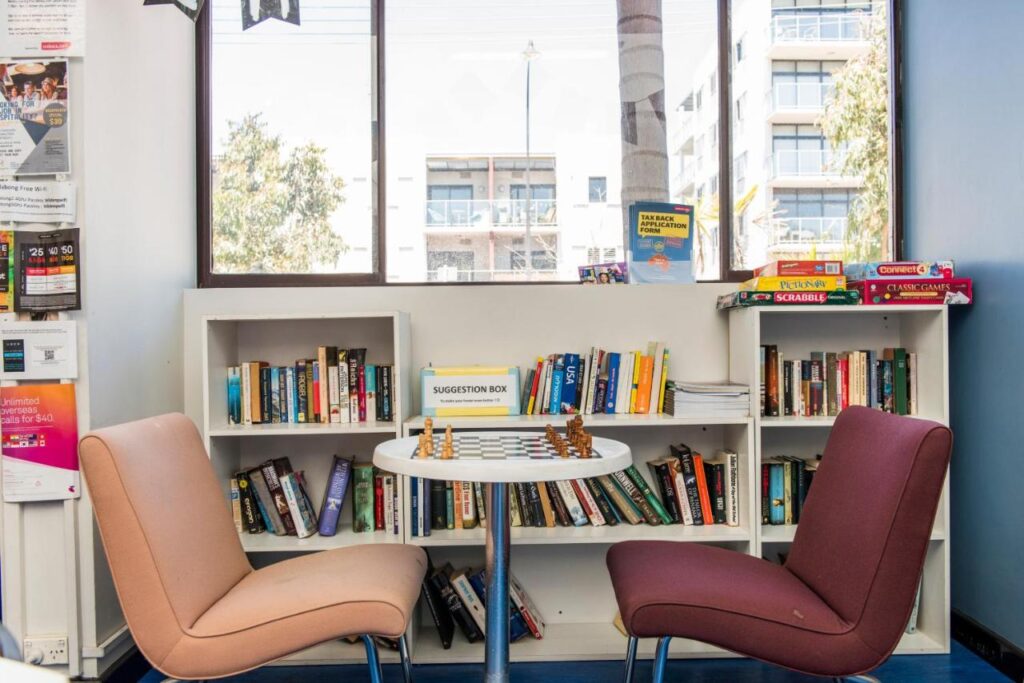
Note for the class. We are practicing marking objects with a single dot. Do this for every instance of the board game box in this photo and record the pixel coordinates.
(914, 291)
(842, 297)
(801, 268)
(790, 283)
(900, 269)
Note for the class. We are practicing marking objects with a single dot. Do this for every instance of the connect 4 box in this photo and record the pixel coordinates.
(899, 269)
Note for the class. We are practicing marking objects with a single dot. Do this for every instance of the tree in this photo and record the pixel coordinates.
(272, 214)
(642, 97)
(857, 116)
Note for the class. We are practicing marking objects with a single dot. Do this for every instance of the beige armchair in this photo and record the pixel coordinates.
(194, 604)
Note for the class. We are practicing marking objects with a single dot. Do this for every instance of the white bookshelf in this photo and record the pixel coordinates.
(582, 629)
(799, 330)
(228, 340)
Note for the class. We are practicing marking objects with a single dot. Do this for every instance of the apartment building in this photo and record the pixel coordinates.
(790, 195)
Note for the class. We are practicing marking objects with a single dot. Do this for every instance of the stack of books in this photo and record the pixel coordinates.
(337, 386)
(785, 481)
(274, 498)
(830, 381)
(707, 399)
(597, 382)
(459, 597)
(909, 282)
(793, 283)
(687, 489)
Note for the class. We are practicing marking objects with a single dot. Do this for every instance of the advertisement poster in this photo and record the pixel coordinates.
(44, 349)
(37, 202)
(660, 243)
(6, 271)
(36, 28)
(39, 427)
(34, 124)
(48, 276)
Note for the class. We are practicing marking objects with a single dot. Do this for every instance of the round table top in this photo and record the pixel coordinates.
(399, 456)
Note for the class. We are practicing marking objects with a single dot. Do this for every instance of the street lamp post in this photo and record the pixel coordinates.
(529, 54)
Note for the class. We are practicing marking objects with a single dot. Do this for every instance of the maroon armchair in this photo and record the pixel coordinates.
(842, 600)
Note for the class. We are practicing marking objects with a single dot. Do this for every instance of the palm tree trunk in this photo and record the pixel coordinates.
(642, 96)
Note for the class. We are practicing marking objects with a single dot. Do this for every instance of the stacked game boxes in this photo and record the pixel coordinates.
(793, 283)
(908, 282)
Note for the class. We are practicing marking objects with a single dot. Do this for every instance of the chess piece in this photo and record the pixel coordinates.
(421, 450)
(448, 437)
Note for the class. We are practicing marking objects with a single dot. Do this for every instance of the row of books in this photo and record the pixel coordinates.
(785, 481)
(598, 382)
(832, 381)
(337, 386)
(822, 282)
(702, 399)
(459, 597)
(687, 490)
(273, 498)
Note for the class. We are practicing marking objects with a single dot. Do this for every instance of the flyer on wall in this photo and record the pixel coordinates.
(34, 125)
(40, 442)
(44, 201)
(6, 271)
(39, 349)
(35, 28)
(47, 273)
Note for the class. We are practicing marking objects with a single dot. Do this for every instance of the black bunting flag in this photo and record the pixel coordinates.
(191, 8)
(258, 11)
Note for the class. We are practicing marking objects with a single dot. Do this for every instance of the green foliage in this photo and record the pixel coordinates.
(857, 115)
(271, 213)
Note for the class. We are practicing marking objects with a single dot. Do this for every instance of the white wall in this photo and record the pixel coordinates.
(133, 135)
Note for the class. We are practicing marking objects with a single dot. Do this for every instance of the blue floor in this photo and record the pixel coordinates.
(961, 665)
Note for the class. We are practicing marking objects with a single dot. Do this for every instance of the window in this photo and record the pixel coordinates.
(825, 135)
(493, 114)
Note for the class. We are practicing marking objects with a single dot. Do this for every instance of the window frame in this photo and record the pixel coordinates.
(206, 278)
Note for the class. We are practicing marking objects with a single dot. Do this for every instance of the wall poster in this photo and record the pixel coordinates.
(34, 125)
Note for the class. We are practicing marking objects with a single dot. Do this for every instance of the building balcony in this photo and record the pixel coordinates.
(809, 168)
(828, 35)
(801, 233)
(482, 215)
(797, 102)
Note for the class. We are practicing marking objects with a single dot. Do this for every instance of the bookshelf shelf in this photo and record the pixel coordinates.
(591, 421)
(716, 533)
(798, 331)
(270, 543)
(784, 533)
(300, 429)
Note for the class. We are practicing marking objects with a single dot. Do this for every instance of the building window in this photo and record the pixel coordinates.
(518, 101)
(806, 217)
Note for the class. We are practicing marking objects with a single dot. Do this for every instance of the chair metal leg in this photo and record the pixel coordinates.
(373, 660)
(403, 651)
(861, 678)
(631, 658)
(661, 659)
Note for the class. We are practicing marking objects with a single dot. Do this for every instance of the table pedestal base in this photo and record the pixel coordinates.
(496, 638)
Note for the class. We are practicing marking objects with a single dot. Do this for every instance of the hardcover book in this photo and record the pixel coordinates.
(334, 496)
(362, 509)
(801, 268)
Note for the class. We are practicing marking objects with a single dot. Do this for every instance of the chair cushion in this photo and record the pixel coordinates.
(291, 605)
(732, 600)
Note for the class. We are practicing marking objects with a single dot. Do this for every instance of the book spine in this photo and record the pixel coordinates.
(588, 503)
(638, 498)
(236, 505)
(611, 389)
(361, 377)
(266, 396)
(414, 504)
(557, 504)
(776, 493)
(702, 490)
(449, 505)
(268, 508)
(370, 382)
(481, 506)
(732, 488)
(597, 498)
(572, 503)
(310, 393)
(291, 494)
(534, 501)
(557, 381)
(438, 612)
(389, 502)
(641, 484)
(378, 502)
(471, 601)
(362, 510)
(679, 489)
(334, 496)
(469, 520)
(766, 499)
(629, 511)
(458, 611)
(353, 386)
(280, 502)
(250, 513)
(522, 602)
(663, 478)
(688, 466)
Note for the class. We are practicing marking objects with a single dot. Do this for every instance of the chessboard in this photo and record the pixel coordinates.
(483, 446)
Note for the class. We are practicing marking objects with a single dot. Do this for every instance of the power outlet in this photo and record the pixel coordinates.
(44, 650)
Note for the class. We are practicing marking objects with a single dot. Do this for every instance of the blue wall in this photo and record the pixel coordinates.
(964, 123)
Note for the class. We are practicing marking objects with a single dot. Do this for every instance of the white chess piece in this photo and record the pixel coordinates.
(254, 9)
(286, 8)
